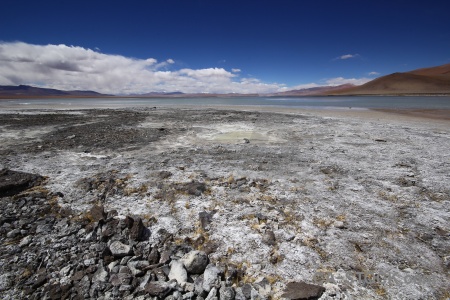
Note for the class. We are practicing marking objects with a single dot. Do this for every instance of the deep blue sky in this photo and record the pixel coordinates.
(285, 41)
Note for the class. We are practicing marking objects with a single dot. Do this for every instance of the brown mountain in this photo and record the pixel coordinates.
(314, 91)
(427, 81)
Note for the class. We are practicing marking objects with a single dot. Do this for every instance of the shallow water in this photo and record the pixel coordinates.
(406, 102)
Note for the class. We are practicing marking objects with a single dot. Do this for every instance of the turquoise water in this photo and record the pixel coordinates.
(431, 102)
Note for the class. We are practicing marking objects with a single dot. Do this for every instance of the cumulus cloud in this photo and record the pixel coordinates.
(346, 56)
(341, 80)
(77, 68)
(374, 73)
(235, 70)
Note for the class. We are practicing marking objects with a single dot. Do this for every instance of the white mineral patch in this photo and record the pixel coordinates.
(337, 197)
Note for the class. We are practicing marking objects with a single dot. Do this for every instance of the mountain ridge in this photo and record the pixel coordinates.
(424, 81)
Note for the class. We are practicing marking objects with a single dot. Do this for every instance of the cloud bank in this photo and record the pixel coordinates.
(77, 68)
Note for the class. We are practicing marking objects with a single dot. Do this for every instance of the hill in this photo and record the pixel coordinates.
(313, 91)
(426, 81)
(25, 91)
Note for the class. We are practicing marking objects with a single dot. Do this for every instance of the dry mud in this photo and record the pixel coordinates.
(360, 207)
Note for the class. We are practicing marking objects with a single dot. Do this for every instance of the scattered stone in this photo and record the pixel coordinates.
(178, 272)
(100, 275)
(339, 224)
(205, 219)
(119, 250)
(164, 174)
(268, 238)
(153, 257)
(211, 277)
(138, 230)
(302, 290)
(5, 281)
(212, 295)
(158, 289)
(194, 188)
(120, 279)
(226, 293)
(195, 262)
(136, 267)
(97, 213)
(263, 287)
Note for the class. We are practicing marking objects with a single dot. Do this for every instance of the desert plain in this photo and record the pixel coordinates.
(354, 201)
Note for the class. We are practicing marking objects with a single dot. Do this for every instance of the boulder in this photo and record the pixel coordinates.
(195, 262)
(15, 182)
(302, 290)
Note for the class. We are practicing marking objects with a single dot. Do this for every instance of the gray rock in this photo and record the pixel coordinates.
(178, 272)
(120, 279)
(269, 238)
(136, 267)
(153, 257)
(226, 293)
(97, 213)
(198, 285)
(101, 275)
(195, 262)
(158, 288)
(211, 277)
(205, 219)
(188, 296)
(247, 290)
(5, 281)
(138, 230)
(13, 233)
(212, 295)
(239, 295)
(263, 287)
(302, 290)
(164, 174)
(125, 287)
(160, 274)
(119, 250)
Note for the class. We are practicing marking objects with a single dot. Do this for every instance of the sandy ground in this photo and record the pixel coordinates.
(358, 200)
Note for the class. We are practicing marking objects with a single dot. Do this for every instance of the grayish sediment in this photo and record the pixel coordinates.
(358, 207)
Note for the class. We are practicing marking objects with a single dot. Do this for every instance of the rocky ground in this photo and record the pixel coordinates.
(269, 205)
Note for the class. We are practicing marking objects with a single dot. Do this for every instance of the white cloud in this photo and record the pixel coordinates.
(347, 56)
(342, 80)
(305, 86)
(235, 70)
(374, 73)
(77, 68)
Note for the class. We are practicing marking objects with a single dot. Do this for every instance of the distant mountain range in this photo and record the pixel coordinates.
(427, 81)
(24, 91)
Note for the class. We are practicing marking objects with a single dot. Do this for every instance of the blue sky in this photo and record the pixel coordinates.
(217, 46)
